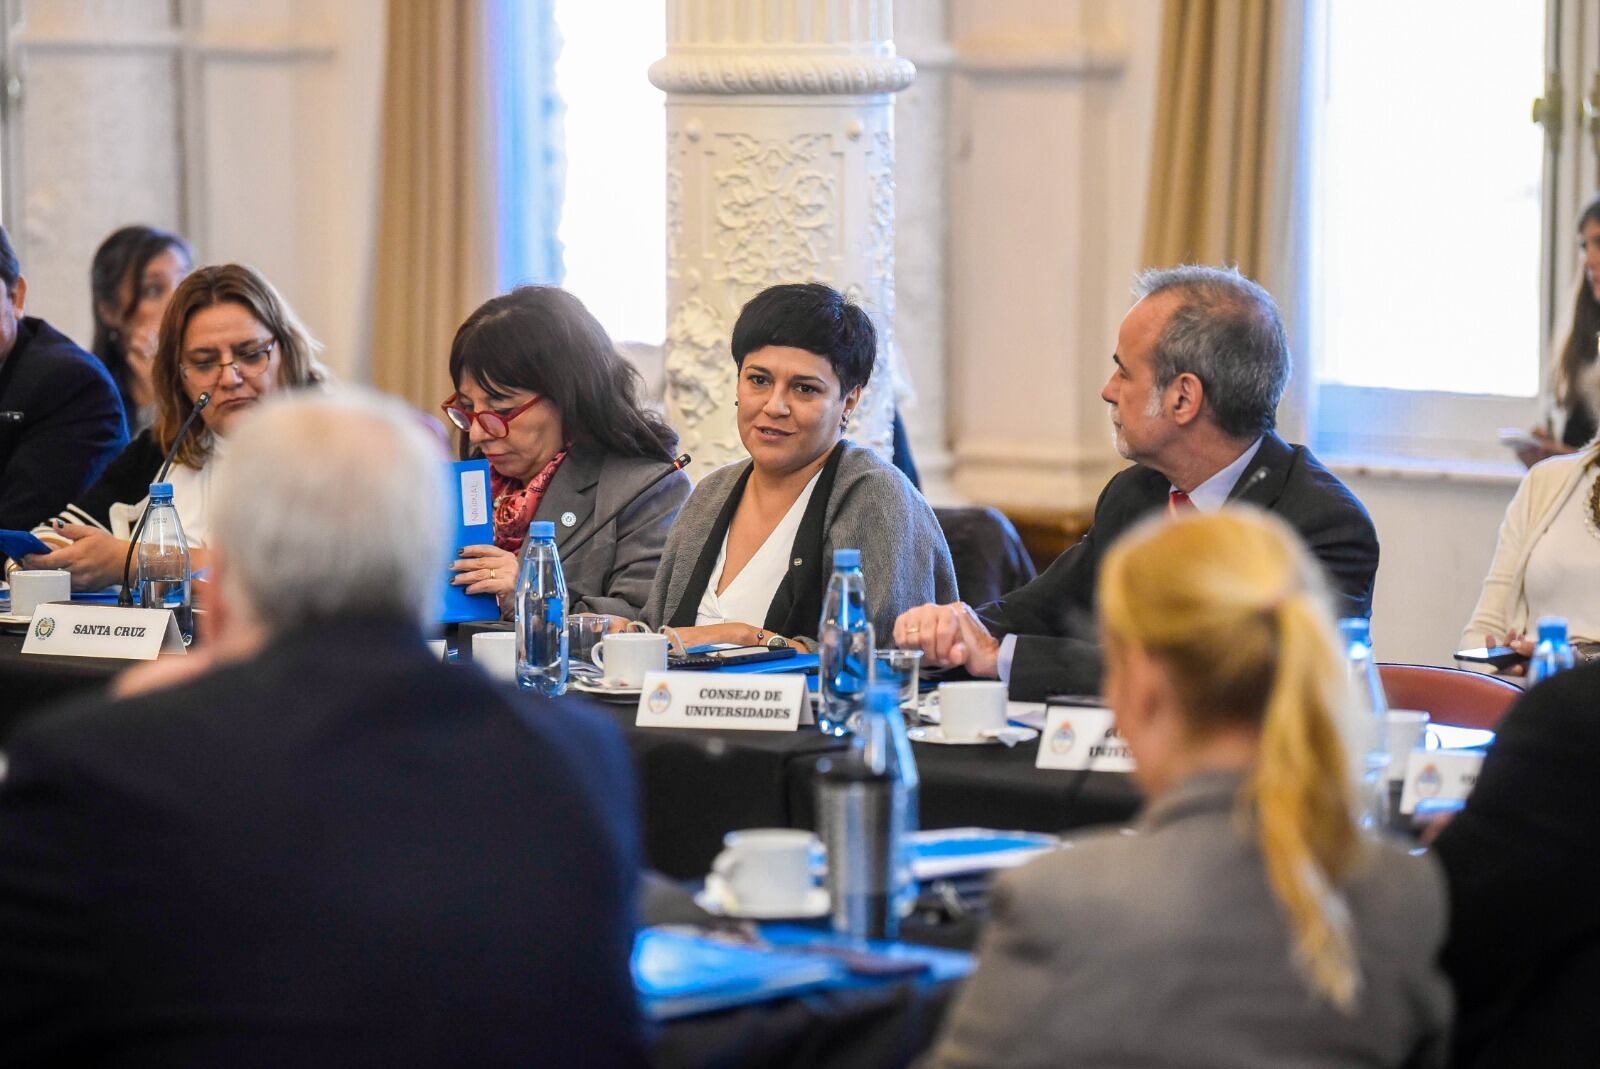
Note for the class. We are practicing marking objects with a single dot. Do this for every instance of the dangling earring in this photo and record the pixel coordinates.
(844, 421)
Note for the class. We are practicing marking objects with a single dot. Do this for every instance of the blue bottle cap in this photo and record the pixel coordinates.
(846, 558)
(160, 489)
(542, 529)
(1552, 627)
(1355, 627)
(883, 697)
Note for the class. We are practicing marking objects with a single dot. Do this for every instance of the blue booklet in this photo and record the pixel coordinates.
(474, 522)
(678, 974)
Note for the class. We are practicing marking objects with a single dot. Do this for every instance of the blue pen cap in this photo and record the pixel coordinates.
(542, 529)
(160, 492)
(1552, 628)
(846, 558)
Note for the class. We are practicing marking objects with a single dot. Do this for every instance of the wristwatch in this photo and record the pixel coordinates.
(772, 642)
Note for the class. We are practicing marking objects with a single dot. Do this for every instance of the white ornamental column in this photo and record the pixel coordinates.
(780, 168)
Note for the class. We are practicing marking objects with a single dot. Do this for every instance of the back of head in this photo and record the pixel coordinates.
(813, 317)
(1226, 331)
(1233, 607)
(206, 287)
(543, 339)
(331, 503)
(10, 267)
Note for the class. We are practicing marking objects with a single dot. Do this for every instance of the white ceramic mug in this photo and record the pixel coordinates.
(31, 588)
(968, 709)
(496, 653)
(1403, 730)
(626, 656)
(766, 870)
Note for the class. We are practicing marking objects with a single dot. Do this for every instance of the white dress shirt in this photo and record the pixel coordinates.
(749, 596)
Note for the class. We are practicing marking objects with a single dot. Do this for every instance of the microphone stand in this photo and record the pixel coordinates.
(125, 598)
(572, 547)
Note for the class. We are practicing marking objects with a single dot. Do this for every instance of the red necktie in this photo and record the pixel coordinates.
(1178, 503)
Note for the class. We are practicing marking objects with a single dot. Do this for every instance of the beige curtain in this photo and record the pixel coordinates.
(435, 246)
(1224, 137)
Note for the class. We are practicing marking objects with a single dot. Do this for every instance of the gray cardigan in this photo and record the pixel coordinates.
(1167, 948)
(872, 507)
(613, 571)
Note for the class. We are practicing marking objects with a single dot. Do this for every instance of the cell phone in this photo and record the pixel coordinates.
(733, 655)
(1498, 656)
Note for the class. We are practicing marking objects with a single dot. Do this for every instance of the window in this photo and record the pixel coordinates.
(1427, 225)
(613, 218)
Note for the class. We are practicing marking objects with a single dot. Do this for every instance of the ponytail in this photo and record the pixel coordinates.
(1302, 798)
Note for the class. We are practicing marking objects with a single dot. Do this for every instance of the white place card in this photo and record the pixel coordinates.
(743, 702)
(67, 629)
(1076, 738)
(1432, 774)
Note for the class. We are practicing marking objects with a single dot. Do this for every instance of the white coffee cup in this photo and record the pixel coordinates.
(496, 653)
(968, 709)
(766, 870)
(1403, 730)
(31, 588)
(626, 656)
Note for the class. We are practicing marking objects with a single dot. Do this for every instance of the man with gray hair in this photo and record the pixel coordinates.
(315, 844)
(1202, 359)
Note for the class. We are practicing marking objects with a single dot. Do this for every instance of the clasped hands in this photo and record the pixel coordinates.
(949, 636)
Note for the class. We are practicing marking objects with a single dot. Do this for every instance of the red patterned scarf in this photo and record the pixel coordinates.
(515, 504)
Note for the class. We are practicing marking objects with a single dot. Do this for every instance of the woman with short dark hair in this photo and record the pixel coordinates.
(133, 276)
(749, 559)
(543, 396)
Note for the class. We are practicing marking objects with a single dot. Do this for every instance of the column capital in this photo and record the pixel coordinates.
(793, 73)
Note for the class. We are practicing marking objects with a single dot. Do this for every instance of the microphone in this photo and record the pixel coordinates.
(572, 547)
(1249, 484)
(125, 599)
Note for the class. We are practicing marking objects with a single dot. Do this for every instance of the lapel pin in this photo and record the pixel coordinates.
(569, 519)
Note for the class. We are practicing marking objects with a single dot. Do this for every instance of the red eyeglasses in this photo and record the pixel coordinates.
(493, 423)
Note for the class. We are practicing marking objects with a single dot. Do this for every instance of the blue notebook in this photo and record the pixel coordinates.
(678, 974)
(474, 523)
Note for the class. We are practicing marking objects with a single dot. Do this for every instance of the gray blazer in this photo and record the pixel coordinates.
(873, 508)
(613, 572)
(1166, 948)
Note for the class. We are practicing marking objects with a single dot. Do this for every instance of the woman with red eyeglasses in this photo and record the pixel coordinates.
(542, 395)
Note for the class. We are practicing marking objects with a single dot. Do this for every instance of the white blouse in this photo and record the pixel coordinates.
(191, 496)
(749, 596)
(1560, 580)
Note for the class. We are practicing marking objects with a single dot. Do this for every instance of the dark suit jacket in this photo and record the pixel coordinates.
(614, 570)
(1523, 864)
(60, 424)
(1057, 649)
(340, 853)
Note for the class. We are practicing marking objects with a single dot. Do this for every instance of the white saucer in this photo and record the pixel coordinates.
(609, 691)
(718, 901)
(11, 621)
(934, 735)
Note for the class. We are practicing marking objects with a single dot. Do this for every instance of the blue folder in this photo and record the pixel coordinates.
(473, 509)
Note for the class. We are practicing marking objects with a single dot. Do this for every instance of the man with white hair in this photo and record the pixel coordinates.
(327, 848)
(1201, 362)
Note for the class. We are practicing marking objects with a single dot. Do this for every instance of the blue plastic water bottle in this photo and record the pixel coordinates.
(164, 571)
(844, 652)
(541, 614)
(1553, 653)
(1365, 730)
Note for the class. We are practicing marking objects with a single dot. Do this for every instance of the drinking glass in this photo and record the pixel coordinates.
(904, 667)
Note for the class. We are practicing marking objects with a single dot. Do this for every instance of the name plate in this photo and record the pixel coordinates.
(721, 700)
(1077, 738)
(1441, 774)
(70, 629)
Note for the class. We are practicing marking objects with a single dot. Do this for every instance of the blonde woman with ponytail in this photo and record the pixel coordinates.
(1245, 922)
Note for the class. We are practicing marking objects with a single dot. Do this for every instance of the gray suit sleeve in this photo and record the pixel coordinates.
(641, 537)
(904, 556)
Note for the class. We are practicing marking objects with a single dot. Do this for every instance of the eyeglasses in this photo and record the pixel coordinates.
(249, 364)
(493, 423)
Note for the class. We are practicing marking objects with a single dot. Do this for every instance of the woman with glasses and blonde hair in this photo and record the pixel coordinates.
(1246, 922)
(543, 396)
(228, 334)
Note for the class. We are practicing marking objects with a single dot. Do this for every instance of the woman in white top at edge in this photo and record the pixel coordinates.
(749, 557)
(1547, 559)
(226, 332)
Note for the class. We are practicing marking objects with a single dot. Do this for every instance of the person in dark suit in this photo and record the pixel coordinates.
(309, 842)
(61, 419)
(1201, 361)
(1523, 951)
